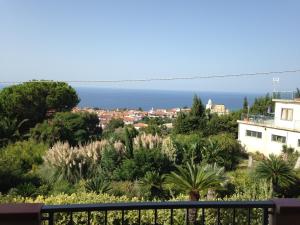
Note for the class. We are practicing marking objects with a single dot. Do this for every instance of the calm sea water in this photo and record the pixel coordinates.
(109, 98)
(146, 99)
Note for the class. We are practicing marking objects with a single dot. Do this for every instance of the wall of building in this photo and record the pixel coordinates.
(295, 123)
(265, 144)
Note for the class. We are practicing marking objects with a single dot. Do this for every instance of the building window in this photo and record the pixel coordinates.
(287, 114)
(251, 133)
(278, 138)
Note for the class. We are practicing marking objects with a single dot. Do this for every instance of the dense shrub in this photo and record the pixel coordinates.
(229, 151)
(188, 147)
(131, 217)
(224, 123)
(19, 162)
(112, 126)
(143, 160)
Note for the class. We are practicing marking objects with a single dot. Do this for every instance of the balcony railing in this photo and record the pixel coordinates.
(207, 212)
(260, 119)
(286, 95)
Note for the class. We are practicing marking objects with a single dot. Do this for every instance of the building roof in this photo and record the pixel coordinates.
(290, 101)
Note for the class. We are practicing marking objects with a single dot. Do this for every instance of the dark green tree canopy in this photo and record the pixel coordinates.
(262, 105)
(35, 100)
(197, 109)
(114, 124)
(75, 128)
(245, 105)
(193, 121)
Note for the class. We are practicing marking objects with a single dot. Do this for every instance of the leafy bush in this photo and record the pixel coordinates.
(144, 160)
(19, 163)
(112, 126)
(188, 147)
(131, 217)
(224, 123)
(229, 151)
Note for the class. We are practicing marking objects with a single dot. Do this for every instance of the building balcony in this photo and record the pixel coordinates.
(258, 119)
(269, 121)
(286, 95)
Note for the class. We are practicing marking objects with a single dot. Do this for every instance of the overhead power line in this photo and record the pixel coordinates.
(165, 78)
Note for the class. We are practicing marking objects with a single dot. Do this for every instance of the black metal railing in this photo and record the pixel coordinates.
(184, 212)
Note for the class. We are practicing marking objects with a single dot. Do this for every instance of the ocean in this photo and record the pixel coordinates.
(107, 98)
(113, 98)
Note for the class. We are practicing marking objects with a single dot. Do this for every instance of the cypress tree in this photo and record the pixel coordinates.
(197, 109)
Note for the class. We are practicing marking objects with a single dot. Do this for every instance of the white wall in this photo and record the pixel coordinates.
(295, 123)
(265, 144)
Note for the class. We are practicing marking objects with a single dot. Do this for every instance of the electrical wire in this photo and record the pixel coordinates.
(164, 78)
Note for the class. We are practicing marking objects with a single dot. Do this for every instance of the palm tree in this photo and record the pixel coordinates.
(10, 130)
(212, 153)
(287, 152)
(153, 182)
(194, 179)
(276, 171)
(98, 185)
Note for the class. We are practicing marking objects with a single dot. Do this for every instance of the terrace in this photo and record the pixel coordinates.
(258, 119)
(272, 212)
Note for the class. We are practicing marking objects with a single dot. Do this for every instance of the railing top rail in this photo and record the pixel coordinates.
(157, 205)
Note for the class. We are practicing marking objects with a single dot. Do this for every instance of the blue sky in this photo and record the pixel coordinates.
(97, 40)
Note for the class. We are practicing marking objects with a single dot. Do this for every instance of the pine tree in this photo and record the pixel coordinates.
(197, 109)
(245, 105)
(128, 143)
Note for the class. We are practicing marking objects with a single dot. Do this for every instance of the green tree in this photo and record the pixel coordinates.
(112, 126)
(75, 128)
(277, 172)
(10, 130)
(223, 123)
(152, 184)
(212, 153)
(97, 185)
(35, 101)
(143, 160)
(197, 109)
(128, 143)
(194, 121)
(188, 147)
(245, 105)
(195, 179)
(224, 150)
(19, 163)
(181, 125)
(262, 105)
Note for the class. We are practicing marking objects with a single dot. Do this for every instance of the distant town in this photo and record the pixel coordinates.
(135, 116)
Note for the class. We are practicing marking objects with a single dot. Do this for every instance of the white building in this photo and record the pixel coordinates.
(268, 135)
(220, 109)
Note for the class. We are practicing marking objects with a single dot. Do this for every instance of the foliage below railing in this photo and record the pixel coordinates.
(131, 217)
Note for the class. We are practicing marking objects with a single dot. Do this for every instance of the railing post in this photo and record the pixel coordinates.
(24, 213)
(286, 212)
